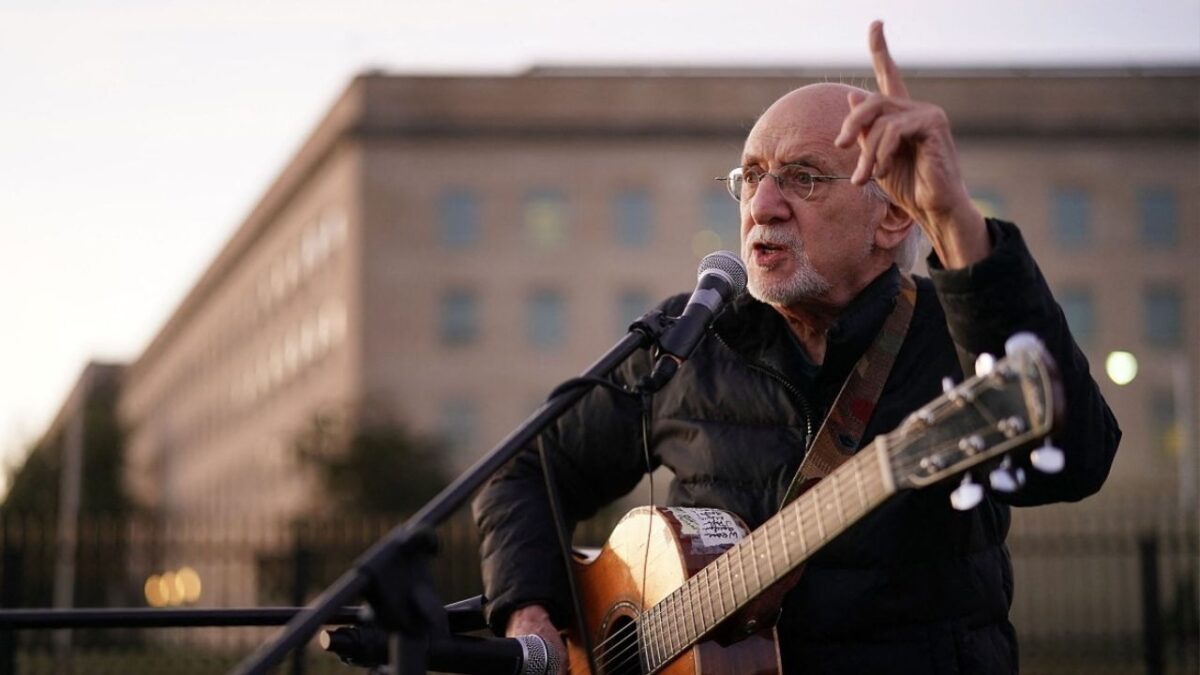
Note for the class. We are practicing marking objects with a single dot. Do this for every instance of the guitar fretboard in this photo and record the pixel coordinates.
(765, 556)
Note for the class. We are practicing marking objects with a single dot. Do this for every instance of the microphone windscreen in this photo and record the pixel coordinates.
(728, 263)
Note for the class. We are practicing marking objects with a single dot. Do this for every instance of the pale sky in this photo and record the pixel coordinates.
(136, 134)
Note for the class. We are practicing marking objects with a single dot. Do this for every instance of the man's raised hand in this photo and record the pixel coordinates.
(907, 147)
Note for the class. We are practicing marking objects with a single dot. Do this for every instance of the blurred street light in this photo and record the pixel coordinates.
(1121, 367)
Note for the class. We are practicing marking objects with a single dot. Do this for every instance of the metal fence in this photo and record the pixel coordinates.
(1097, 591)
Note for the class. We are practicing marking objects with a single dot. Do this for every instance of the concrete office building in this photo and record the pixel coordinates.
(442, 250)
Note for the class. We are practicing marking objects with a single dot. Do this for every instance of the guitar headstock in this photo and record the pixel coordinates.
(1010, 404)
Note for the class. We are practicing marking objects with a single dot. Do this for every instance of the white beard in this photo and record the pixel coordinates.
(804, 284)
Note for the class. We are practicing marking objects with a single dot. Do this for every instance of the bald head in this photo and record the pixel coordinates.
(815, 112)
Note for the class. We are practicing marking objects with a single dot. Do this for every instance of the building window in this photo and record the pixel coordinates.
(546, 320)
(546, 218)
(459, 318)
(1077, 306)
(458, 212)
(1165, 433)
(989, 202)
(721, 225)
(1070, 218)
(633, 216)
(1159, 217)
(631, 305)
(1163, 316)
(460, 424)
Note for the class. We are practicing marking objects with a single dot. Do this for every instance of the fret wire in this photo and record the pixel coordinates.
(666, 618)
(678, 614)
(741, 556)
(837, 501)
(783, 543)
(770, 556)
(688, 626)
(853, 494)
(699, 602)
(644, 639)
(858, 482)
(728, 573)
(669, 631)
(661, 643)
(654, 643)
(800, 526)
(759, 556)
(720, 594)
(691, 604)
(754, 559)
(664, 650)
(782, 549)
(817, 507)
(734, 597)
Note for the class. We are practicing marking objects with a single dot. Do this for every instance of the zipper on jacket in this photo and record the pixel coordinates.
(805, 408)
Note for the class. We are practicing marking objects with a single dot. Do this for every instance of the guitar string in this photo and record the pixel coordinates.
(619, 636)
(939, 407)
(904, 443)
(626, 639)
(614, 661)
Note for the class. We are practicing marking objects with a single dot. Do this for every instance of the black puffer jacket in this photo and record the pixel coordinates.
(915, 587)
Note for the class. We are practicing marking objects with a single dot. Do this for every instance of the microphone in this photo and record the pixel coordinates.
(720, 278)
(366, 646)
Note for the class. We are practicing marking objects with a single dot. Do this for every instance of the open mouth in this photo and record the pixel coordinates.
(765, 254)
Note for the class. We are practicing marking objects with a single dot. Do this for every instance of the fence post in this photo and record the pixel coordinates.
(1152, 625)
(302, 572)
(10, 597)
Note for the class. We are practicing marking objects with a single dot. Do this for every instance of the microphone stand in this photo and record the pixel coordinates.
(393, 574)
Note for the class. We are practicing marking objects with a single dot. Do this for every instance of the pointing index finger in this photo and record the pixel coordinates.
(887, 75)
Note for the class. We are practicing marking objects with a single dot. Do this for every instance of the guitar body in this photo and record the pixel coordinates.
(650, 553)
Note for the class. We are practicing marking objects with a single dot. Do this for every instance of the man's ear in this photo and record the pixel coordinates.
(894, 227)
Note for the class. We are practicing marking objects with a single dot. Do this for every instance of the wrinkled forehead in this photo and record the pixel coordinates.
(802, 123)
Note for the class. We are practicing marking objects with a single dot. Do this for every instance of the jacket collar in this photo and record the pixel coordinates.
(756, 331)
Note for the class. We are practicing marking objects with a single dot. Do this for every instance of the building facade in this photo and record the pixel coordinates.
(441, 251)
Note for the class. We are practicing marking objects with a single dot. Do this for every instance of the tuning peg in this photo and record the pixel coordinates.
(1048, 458)
(947, 385)
(1022, 342)
(1005, 478)
(984, 364)
(967, 495)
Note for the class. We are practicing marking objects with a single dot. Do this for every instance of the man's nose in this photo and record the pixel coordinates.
(768, 204)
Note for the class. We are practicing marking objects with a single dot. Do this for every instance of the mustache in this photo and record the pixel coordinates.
(773, 236)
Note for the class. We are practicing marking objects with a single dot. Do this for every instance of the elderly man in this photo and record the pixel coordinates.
(833, 185)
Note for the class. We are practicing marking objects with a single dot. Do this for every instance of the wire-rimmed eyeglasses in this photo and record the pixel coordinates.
(793, 180)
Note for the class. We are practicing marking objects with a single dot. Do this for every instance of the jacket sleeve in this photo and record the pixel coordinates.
(596, 455)
(1003, 294)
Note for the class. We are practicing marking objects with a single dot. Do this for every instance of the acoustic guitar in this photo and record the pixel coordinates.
(690, 590)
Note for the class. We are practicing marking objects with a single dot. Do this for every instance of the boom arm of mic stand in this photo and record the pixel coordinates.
(644, 333)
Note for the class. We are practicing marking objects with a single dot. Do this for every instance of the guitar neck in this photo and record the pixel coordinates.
(765, 556)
